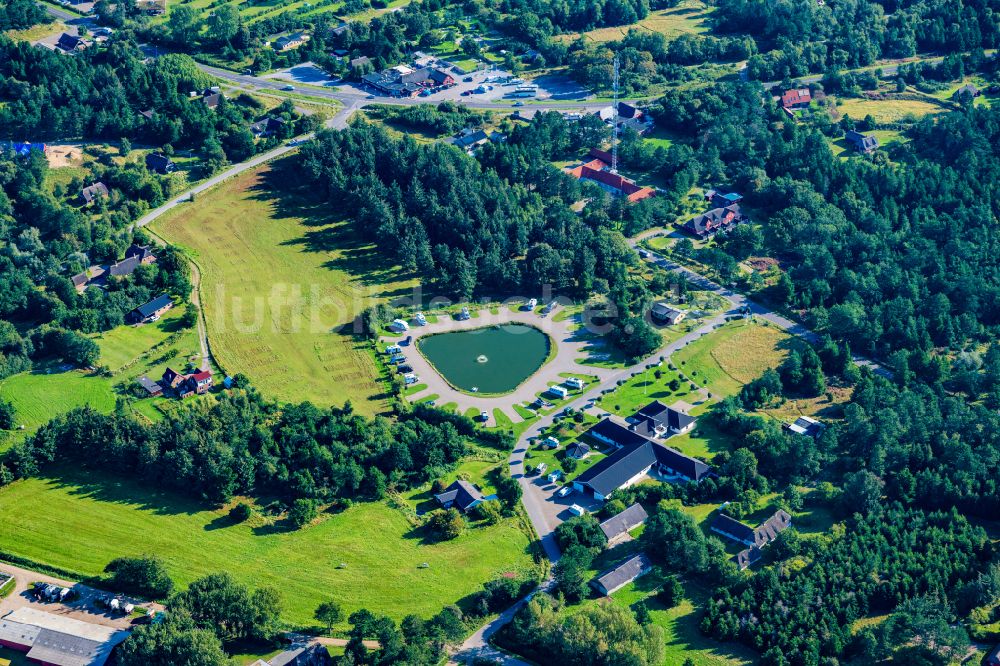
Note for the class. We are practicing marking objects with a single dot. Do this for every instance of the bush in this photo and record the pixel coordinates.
(145, 576)
(303, 512)
(446, 524)
(240, 512)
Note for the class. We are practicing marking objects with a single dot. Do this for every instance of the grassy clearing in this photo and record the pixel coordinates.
(46, 392)
(123, 344)
(688, 17)
(381, 549)
(281, 282)
(733, 355)
(37, 32)
(886, 111)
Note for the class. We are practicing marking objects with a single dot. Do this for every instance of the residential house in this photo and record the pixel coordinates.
(598, 171)
(578, 450)
(628, 116)
(313, 654)
(754, 537)
(150, 311)
(657, 420)
(171, 379)
(199, 382)
(135, 256)
(968, 90)
(617, 527)
(153, 389)
(461, 495)
(796, 98)
(339, 30)
(615, 579)
(361, 62)
(665, 315)
(58, 640)
(292, 41)
(80, 281)
(863, 143)
(211, 98)
(70, 43)
(152, 7)
(805, 425)
(714, 221)
(722, 199)
(635, 458)
(160, 163)
(91, 193)
(267, 127)
(469, 140)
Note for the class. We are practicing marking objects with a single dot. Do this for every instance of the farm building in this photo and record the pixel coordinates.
(56, 640)
(150, 311)
(617, 527)
(615, 579)
(153, 389)
(461, 495)
(635, 458)
(658, 420)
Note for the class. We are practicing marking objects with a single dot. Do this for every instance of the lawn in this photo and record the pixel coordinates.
(281, 282)
(688, 17)
(729, 357)
(81, 523)
(37, 32)
(886, 111)
(46, 392)
(122, 345)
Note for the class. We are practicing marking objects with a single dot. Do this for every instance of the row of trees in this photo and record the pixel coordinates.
(243, 444)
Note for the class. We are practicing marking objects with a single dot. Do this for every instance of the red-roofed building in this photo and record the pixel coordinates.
(596, 170)
(200, 382)
(797, 98)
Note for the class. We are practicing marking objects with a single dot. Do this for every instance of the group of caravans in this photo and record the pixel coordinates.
(398, 359)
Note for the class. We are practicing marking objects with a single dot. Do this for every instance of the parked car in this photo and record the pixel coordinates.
(467, 79)
(564, 491)
(289, 88)
(404, 369)
(483, 416)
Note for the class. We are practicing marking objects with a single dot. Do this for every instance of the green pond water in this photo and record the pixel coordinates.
(492, 360)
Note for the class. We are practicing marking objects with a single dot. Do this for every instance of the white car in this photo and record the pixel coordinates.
(577, 510)
(564, 491)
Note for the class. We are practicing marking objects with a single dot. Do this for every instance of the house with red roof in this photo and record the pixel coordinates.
(599, 171)
(796, 98)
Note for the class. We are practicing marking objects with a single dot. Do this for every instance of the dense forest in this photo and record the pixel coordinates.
(243, 444)
(21, 14)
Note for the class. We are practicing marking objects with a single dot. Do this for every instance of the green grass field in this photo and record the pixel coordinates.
(121, 345)
(279, 281)
(82, 523)
(688, 17)
(886, 111)
(733, 355)
(40, 395)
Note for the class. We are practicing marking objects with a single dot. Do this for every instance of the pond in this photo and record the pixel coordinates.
(487, 360)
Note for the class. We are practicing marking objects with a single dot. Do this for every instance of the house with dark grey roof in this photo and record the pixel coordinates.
(470, 140)
(665, 315)
(312, 654)
(863, 143)
(267, 127)
(615, 579)
(70, 43)
(748, 558)
(578, 450)
(714, 221)
(658, 420)
(151, 310)
(461, 495)
(92, 193)
(968, 90)
(636, 457)
(754, 537)
(721, 200)
(292, 41)
(805, 425)
(160, 163)
(617, 527)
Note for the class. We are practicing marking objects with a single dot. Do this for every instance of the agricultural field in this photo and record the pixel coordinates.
(123, 344)
(688, 17)
(280, 282)
(369, 555)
